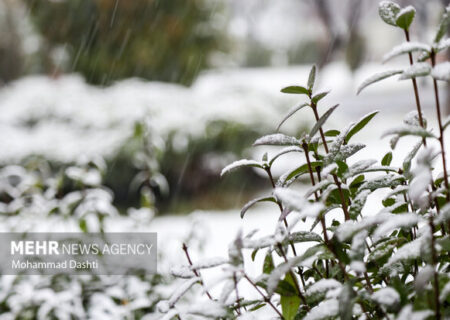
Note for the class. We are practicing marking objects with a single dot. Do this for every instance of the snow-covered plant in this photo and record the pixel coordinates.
(327, 257)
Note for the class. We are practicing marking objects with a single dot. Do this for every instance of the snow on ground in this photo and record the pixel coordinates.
(63, 118)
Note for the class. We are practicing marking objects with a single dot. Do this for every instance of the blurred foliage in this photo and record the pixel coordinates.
(168, 40)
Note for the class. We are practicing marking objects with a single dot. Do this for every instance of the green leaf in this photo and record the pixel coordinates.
(290, 113)
(321, 121)
(346, 302)
(295, 90)
(359, 125)
(312, 78)
(319, 96)
(388, 11)
(268, 265)
(251, 203)
(254, 252)
(377, 77)
(405, 17)
(295, 173)
(332, 133)
(289, 304)
(83, 225)
(386, 161)
(443, 26)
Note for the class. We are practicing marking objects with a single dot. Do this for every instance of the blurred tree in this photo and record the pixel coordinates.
(106, 40)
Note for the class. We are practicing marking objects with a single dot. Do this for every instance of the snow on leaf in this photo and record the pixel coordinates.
(397, 221)
(417, 70)
(406, 47)
(445, 292)
(324, 310)
(209, 309)
(290, 113)
(279, 272)
(444, 215)
(284, 151)
(388, 11)
(405, 17)
(409, 158)
(348, 150)
(277, 139)
(239, 164)
(386, 181)
(387, 297)
(409, 131)
(441, 71)
(409, 251)
(377, 77)
(323, 285)
(251, 203)
(181, 290)
(319, 186)
(287, 178)
(399, 189)
(209, 263)
(407, 313)
(303, 236)
(321, 121)
(335, 147)
(419, 186)
(443, 45)
(358, 203)
(359, 167)
(412, 119)
(423, 278)
(295, 201)
(358, 266)
(359, 245)
(349, 228)
(184, 272)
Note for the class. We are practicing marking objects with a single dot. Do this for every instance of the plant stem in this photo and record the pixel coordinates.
(197, 274)
(322, 218)
(441, 128)
(435, 273)
(269, 173)
(416, 92)
(266, 299)
(336, 180)
(294, 278)
(238, 304)
(311, 176)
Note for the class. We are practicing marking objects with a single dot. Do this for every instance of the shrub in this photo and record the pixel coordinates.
(393, 264)
(108, 40)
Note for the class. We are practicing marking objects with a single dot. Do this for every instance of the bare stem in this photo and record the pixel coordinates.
(441, 128)
(238, 304)
(197, 274)
(336, 180)
(294, 278)
(416, 92)
(265, 298)
(435, 274)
